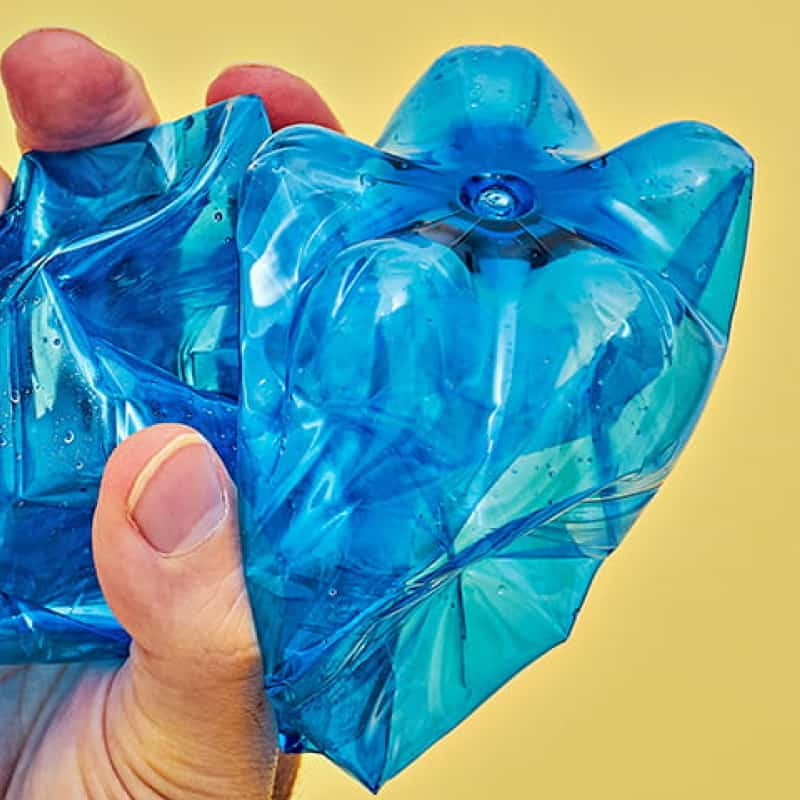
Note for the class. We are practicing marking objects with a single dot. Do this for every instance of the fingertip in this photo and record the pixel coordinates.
(31, 41)
(66, 91)
(158, 553)
(118, 548)
(120, 552)
(289, 99)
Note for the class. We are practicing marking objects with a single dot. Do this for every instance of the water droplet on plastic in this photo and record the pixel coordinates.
(332, 592)
(218, 216)
(79, 465)
(501, 590)
(56, 342)
(69, 437)
(14, 396)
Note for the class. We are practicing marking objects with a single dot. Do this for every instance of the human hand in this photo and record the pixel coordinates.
(185, 715)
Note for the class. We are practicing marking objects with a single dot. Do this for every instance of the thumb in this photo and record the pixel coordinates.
(186, 715)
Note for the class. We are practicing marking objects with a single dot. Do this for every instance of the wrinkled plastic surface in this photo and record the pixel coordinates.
(470, 357)
(467, 359)
(119, 309)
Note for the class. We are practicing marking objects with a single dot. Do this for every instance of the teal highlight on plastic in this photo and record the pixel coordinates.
(459, 365)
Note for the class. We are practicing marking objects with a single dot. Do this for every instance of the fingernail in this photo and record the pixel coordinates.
(178, 500)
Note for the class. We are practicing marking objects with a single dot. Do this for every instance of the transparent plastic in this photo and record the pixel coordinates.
(118, 309)
(459, 366)
(470, 357)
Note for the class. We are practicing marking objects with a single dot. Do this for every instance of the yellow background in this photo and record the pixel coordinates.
(681, 677)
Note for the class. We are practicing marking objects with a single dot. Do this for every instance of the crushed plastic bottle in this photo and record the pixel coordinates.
(466, 360)
(119, 309)
(470, 357)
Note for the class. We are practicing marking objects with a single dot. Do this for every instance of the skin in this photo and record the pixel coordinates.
(184, 716)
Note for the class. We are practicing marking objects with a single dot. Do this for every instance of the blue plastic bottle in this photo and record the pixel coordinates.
(465, 361)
